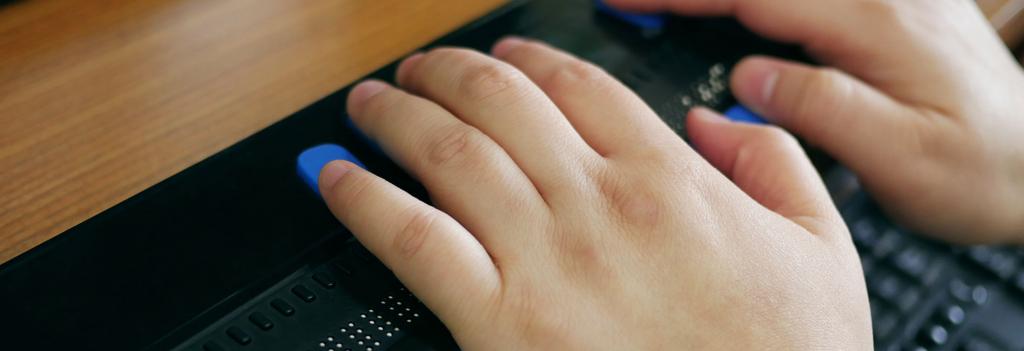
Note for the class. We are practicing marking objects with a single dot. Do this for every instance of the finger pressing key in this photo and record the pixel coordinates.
(423, 247)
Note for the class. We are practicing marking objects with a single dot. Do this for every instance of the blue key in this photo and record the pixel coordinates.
(313, 159)
(740, 113)
(643, 21)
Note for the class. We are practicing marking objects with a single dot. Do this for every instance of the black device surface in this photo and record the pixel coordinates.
(235, 253)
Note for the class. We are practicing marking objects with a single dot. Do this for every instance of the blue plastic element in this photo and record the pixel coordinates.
(739, 113)
(313, 159)
(643, 21)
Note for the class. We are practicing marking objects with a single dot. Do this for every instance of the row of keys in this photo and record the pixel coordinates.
(282, 307)
(1007, 264)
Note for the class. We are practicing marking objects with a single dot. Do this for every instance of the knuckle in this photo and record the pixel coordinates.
(631, 203)
(574, 75)
(415, 231)
(455, 143)
(482, 81)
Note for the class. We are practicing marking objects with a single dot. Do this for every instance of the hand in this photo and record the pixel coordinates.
(574, 219)
(927, 105)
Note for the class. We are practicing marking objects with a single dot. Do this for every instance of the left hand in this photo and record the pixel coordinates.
(575, 219)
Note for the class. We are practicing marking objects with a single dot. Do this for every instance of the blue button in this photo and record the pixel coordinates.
(739, 113)
(643, 21)
(311, 161)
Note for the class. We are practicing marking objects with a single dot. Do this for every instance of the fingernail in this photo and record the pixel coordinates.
(407, 65)
(707, 115)
(366, 90)
(506, 45)
(768, 86)
(332, 172)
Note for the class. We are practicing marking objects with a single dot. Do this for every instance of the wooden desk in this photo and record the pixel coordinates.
(101, 99)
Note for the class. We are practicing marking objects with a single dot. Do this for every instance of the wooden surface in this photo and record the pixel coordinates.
(101, 99)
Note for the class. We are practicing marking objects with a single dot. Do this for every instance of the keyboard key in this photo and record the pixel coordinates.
(890, 242)
(912, 261)
(740, 113)
(303, 293)
(324, 280)
(997, 261)
(887, 287)
(951, 316)
(864, 232)
(282, 307)
(239, 336)
(648, 22)
(908, 299)
(933, 336)
(261, 321)
(979, 295)
(312, 160)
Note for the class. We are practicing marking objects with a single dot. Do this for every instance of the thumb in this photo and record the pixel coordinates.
(765, 162)
(830, 109)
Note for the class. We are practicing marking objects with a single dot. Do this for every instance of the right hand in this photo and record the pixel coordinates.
(925, 104)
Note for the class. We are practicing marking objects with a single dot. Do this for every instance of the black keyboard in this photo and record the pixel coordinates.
(259, 264)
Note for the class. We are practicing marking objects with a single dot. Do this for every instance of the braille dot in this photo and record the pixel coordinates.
(338, 345)
(362, 316)
(351, 325)
(351, 336)
(323, 345)
(372, 322)
(388, 334)
(343, 330)
(329, 339)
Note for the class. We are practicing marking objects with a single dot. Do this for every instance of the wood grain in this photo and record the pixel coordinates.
(101, 99)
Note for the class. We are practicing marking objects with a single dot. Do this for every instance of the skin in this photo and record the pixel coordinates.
(922, 101)
(570, 217)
